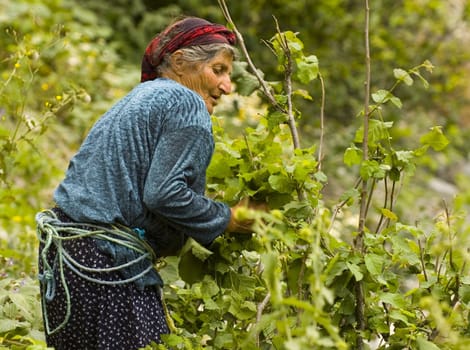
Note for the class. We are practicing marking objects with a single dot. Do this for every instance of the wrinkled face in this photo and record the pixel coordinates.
(210, 79)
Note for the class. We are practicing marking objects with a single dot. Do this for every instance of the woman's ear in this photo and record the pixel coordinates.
(177, 63)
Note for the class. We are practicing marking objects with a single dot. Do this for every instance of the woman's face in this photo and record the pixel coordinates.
(210, 79)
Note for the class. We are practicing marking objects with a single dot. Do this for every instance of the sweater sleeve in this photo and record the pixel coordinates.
(174, 187)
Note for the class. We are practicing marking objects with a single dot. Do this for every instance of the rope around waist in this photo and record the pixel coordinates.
(52, 233)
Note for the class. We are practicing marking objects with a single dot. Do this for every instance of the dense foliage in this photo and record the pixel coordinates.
(357, 251)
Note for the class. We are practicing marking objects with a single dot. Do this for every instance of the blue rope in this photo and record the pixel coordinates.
(52, 233)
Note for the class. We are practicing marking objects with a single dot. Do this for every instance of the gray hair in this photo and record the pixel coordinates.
(198, 53)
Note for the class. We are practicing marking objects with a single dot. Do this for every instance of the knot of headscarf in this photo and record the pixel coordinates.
(189, 32)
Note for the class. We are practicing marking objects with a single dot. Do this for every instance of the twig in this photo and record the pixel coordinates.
(259, 312)
(379, 224)
(288, 83)
(264, 86)
(449, 227)
(322, 122)
(421, 259)
(250, 153)
(369, 196)
(339, 206)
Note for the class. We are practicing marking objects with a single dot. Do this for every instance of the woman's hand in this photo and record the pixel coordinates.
(238, 222)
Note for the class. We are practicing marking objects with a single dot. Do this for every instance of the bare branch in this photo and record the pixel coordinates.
(322, 122)
(288, 85)
(264, 86)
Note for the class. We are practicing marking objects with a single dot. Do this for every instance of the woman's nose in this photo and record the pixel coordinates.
(226, 85)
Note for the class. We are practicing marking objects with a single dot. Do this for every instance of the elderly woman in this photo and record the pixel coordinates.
(134, 192)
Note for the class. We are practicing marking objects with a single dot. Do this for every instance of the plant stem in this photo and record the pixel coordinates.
(259, 312)
(365, 143)
(359, 242)
(322, 122)
(339, 206)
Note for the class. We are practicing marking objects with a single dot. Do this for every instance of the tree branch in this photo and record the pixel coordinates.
(264, 86)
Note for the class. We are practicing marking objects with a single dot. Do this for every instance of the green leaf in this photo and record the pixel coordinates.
(372, 168)
(219, 167)
(435, 139)
(356, 271)
(320, 176)
(389, 214)
(281, 183)
(403, 75)
(307, 68)
(10, 325)
(299, 210)
(209, 286)
(22, 304)
(223, 341)
(294, 43)
(240, 308)
(404, 251)
(169, 272)
(394, 174)
(395, 299)
(397, 315)
(196, 249)
(352, 156)
(190, 268)
(246, 82)
(378, 130)
(404, 157)
(303, 93)
(224, 147)
(277, 118)
(381, 96)
(336, 267)
(396, 101)
(210, 304)
(423, 80)
(192, 256)
(424, 344)
(374, 263)
(347, 306)
(350, 196)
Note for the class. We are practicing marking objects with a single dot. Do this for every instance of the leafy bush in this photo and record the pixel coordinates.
(53, 63)
(20, 315)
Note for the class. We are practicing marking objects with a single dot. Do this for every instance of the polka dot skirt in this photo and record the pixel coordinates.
(114, 317)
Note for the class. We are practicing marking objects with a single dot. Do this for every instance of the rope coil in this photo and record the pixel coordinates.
(53, 233)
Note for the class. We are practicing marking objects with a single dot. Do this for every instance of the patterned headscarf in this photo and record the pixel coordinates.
(187, 32)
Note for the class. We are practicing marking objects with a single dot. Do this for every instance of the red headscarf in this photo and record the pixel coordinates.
(189, 32)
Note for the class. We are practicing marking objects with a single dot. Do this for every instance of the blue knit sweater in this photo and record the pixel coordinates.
(143, 165)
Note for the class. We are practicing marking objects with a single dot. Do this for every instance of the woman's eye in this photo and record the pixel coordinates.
(217, 70)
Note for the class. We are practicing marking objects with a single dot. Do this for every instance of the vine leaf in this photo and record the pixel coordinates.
(435, 139)
(389, 214)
